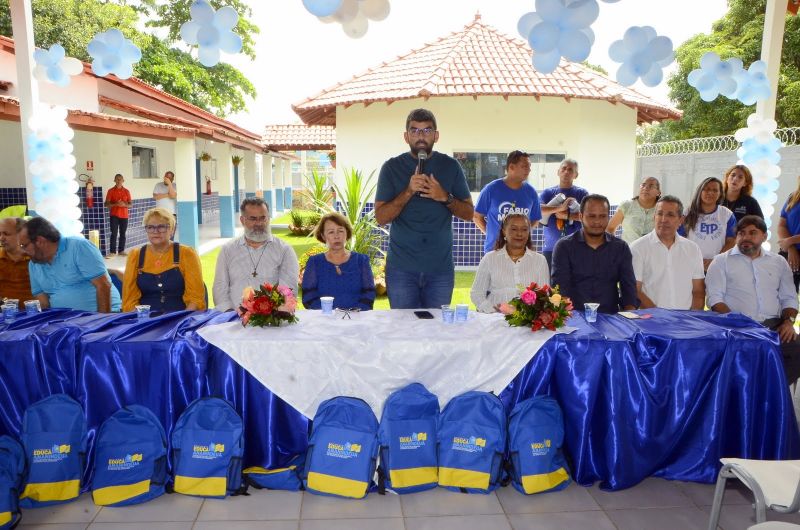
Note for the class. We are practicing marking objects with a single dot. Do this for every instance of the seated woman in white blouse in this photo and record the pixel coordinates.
(504, 272)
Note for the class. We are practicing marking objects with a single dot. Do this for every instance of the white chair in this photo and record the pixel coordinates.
(774, 525)
(775, 484)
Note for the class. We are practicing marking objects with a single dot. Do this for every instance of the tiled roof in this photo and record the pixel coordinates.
(299, 137)
(477, 61)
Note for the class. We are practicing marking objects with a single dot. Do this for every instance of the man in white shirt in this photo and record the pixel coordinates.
(165, 193)
(758, 283)
(253, 259)
(667, 266)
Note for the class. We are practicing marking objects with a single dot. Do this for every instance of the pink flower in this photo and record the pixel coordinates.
(289, 305)
(528, 297)
(248, 293)
(285, 291)
(506, 309)
(245, 319)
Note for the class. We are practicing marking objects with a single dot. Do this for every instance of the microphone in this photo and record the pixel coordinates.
(422, 156)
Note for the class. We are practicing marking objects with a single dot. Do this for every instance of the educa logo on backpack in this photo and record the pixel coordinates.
(470, 445)
(125, 463)
(346, 450)
(415, 441)
(208, 452)
(541, 448)
(56, 453)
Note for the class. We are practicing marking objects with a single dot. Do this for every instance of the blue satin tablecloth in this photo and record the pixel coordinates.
(667, 396)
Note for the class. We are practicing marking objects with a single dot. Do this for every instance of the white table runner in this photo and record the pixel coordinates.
(376, 353)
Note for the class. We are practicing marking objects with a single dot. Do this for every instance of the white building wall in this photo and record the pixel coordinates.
(600, 135)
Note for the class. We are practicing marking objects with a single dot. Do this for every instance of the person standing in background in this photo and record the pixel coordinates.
(16, 282)
(118, 202)
(166, 195)
(562, 215)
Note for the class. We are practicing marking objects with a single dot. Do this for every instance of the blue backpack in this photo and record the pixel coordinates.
(343, 449)
(472, 441)
(54, 437)
(207, 449)
(535, 435)
(130, 462)
(289, 478)
(407, 436)
(12, 471)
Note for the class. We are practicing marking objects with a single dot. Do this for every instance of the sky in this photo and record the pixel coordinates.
(298, 56)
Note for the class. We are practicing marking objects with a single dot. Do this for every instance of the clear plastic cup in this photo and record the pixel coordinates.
(9, 312)
(448, 313)
(462, 312)
(590, 311)
(32, 307)
(12, 301)
(326, 302)
(143, 312)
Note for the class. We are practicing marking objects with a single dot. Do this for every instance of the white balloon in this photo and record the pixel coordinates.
(356, 28)
(376, 10)
(347, 11)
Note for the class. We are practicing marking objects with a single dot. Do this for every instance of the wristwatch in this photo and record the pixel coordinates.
(449, 200)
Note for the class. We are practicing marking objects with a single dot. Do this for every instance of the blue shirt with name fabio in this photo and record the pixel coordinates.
(497, 200)
(67, 280)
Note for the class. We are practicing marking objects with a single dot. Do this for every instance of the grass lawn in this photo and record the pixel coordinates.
(300, 244)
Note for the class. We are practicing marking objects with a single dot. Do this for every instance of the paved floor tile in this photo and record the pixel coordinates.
(684, 518)
(462, 522)
(260, 505)
(574, 498)
(247, 525)
(650, 493)
(374, 506)
(353, 524)
(562, 521)
(167, 508)
(81, 510)
(440, 501)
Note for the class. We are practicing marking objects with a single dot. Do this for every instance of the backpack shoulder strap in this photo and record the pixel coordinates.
(176, 253)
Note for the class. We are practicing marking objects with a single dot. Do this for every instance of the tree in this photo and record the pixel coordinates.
(73, 23)
(737, 34)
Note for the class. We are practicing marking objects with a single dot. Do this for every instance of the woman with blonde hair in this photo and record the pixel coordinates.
(343, 274)
(789, 233)
(737, 189)
(164, 275)
(638, 214)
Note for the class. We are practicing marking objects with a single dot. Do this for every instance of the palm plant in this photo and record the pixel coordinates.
(353, 197)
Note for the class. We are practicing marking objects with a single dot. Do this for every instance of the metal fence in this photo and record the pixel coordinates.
(789, 136)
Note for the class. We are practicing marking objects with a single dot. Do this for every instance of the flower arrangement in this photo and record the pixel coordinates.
(268, 305)
(538, 307)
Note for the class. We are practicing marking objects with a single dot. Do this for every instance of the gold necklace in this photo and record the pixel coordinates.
(158, 256)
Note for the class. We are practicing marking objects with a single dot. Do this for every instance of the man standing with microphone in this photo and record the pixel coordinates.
(419, 195)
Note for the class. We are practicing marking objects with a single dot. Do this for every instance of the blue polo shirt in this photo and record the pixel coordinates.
(498, 200)
(67, 279)
(421, 237)
(552, 233)
(792, 217)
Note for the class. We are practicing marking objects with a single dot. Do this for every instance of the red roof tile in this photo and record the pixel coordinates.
(477, 61)
(299, 137)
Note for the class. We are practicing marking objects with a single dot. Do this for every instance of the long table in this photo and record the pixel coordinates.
(666, 396)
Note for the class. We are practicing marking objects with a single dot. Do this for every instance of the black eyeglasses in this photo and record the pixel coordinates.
(427, 131)
(156, 228)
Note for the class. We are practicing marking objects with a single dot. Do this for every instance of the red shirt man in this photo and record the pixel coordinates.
(118, 201)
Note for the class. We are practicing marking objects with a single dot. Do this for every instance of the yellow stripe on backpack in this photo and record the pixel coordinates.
(52, 491)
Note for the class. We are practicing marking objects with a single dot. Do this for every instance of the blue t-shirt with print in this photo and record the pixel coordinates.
(792, 217)
(498, 200)
(552, 232)
(67, 280)
(421, 237)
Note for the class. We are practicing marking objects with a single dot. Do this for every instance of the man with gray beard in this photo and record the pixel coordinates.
(253, 259)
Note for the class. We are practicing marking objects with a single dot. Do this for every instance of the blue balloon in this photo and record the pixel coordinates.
(544, 37)
(546, 62)
(322, 8)
(574, 46)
